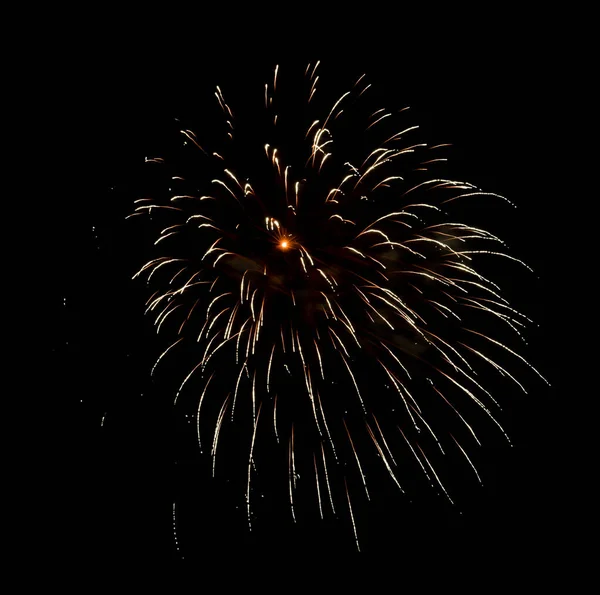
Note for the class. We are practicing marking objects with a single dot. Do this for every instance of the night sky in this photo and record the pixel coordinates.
(124, 457)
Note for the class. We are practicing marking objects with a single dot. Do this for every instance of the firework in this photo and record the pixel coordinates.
(333, 304)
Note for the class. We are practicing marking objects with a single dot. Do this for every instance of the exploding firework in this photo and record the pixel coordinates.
(335, 308)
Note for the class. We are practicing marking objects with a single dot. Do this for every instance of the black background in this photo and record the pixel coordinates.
(493, 92)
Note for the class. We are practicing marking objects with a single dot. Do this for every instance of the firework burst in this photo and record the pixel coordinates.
(335, 308)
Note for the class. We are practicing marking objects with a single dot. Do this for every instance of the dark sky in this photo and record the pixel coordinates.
(494, 98)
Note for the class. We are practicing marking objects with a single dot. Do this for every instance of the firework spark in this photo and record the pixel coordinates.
(328, 295)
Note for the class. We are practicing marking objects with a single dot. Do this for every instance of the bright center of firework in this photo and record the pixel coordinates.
(284, 244)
